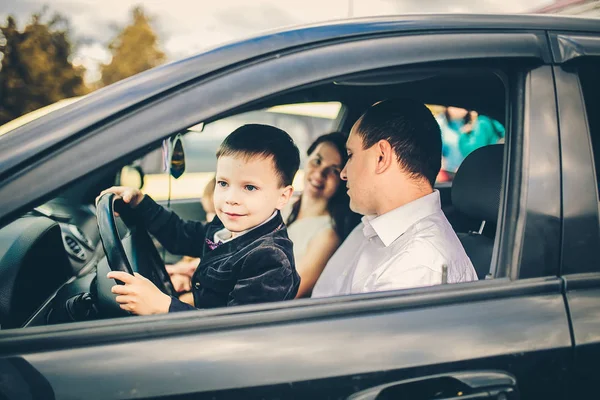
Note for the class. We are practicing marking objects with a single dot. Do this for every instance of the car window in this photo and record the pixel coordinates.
(304, 122)
(77, 231)
(463, 131)
(590, 84)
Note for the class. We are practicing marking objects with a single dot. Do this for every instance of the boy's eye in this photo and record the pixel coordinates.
(251, 188)
(222, 183)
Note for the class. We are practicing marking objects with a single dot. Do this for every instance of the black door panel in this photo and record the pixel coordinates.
(525, 336)
(577, 88)
(583, 295)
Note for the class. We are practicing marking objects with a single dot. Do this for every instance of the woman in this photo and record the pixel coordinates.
(321, 218)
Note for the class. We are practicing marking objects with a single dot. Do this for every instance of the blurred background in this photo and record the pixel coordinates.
(51, 51)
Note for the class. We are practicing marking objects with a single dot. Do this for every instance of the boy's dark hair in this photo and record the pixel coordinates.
(411, 130)
(253, 140)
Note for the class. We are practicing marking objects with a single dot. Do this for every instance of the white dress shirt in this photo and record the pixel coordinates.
(404, 248)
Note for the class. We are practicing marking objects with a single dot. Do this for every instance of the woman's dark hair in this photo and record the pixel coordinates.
(338, 206)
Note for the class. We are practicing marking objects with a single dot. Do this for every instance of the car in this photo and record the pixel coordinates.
(526, 212)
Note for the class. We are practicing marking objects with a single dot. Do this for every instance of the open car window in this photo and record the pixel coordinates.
(463, 131)
(75, 226)
(303, 121)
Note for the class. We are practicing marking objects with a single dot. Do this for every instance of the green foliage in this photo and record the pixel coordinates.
(36, 68)
(134, 49)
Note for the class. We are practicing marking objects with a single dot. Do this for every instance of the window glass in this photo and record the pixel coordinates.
(590, 84)
(462, 132)
(304, 122)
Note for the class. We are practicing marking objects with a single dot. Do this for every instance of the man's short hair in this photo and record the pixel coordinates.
(256, 140)
(411, 130)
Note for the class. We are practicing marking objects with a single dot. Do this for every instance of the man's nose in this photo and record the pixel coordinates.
(343, 174)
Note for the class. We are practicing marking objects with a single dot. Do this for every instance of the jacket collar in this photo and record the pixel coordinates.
(272, 225)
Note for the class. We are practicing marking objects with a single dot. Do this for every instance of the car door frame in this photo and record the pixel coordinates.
(376, 326)
(580, 264)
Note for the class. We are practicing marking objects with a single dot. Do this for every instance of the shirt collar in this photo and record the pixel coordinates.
(391, 225)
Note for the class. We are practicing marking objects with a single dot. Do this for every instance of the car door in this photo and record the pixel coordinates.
(578, 89)
(508, 336)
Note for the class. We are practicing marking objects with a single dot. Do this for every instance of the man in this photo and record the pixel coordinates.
(404, 240)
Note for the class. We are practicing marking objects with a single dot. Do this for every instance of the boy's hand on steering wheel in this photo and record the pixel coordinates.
(138, 295)
(130, 196)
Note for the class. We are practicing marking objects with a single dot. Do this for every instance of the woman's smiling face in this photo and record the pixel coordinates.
(322, 175)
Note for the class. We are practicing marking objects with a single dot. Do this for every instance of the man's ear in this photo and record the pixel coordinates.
(286, 195)
(385, 156)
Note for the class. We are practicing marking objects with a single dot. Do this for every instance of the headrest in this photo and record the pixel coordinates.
(477, 184)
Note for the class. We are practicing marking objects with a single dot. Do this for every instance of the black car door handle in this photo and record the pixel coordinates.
(460, 385)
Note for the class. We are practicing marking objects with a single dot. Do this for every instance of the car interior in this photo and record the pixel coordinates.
(52, 262)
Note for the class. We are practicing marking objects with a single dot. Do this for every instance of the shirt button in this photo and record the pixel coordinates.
(197, 285)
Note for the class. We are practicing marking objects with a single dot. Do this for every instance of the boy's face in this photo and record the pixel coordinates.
(248, 191)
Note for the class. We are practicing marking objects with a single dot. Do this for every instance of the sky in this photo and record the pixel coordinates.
(187, 27)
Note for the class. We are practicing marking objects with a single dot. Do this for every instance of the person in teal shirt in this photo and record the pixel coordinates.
(483, 131)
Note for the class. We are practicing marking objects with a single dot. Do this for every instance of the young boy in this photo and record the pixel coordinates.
(246, 255)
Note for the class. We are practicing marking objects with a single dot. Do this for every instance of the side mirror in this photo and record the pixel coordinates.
(131, 176)
(177, 159)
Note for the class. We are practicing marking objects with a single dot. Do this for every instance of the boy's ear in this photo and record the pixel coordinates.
(286, 195)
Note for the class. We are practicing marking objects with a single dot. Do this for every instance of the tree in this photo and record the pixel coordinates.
(134, 49)
(36, 68)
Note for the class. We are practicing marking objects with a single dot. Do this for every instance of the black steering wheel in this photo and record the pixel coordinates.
(139, 253)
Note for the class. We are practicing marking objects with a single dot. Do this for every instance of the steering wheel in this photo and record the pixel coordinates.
(141, 255)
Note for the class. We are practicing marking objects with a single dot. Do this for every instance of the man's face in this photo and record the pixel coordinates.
(248, 191)
(359, 173)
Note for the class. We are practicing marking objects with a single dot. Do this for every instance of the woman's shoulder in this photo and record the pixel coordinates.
(311, 225)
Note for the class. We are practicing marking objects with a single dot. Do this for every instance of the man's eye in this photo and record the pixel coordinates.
(222, 183)
(349, 156)
(251, 188)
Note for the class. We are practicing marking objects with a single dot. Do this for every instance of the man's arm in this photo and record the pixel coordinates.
(266, 275)
(176, 235)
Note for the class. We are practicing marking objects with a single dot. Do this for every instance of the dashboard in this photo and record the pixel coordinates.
(48, 260)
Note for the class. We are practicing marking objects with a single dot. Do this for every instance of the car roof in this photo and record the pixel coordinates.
(42, 133)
